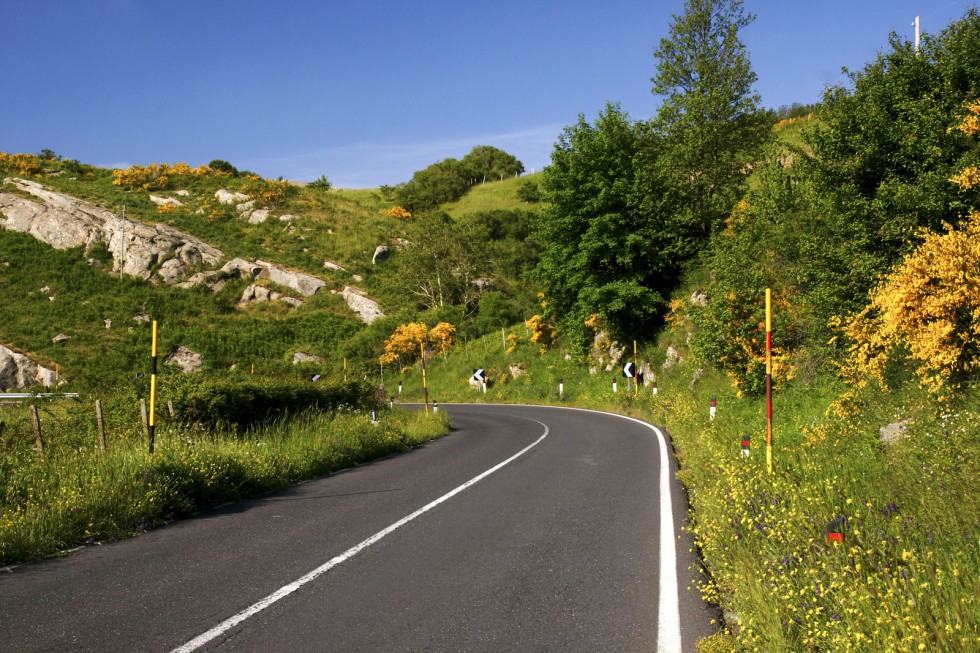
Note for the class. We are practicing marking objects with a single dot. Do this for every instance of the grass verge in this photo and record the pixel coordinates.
(80, 494)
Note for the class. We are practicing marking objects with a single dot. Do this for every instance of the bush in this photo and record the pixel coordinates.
(212, 401)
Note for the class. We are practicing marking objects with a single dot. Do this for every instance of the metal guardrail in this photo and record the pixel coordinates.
(39, 395)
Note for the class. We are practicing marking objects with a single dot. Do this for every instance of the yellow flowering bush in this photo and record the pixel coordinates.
(408, 339)
(267, 193)
(24, 165)
(398, 212)
(930, 307)
(156, 176)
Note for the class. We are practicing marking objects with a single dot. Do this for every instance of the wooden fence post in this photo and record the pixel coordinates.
(36, 421)
(170, 407)
(98, 417)
(146, 422)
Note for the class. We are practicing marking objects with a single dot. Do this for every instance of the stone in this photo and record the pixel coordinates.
(286, 217)
(305, 284)
(381, 254)
(367, 309)
(227, 197)
(516, 371)
(242, 269)
(159, 201)
(292, 301)
(18, 372)
(333, 266)
(302, 357)
(61, 338)
(107, 322)
(699, 298)
(255, 294)
(186, 359)
(259, 216)
(673, 358)
(894, 432)
(143, 318)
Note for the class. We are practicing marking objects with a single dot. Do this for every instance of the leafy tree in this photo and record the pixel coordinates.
(709, 125)
(529, 191)
(439, 265)
(885, 150)
(437, 184)
(223, 166)
(487, 162)
(602, 251)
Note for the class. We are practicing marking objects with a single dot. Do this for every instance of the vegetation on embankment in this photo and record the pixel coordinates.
(77, 493)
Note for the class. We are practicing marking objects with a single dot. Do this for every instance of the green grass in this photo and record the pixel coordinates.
(493, 195)
(78, 494)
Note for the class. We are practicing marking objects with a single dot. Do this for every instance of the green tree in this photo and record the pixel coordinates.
(439, 266)
(487, 162)
(709, 126)
(601, 251)
(884, 152)
(223, 166)
(529, 191)
(437, 184)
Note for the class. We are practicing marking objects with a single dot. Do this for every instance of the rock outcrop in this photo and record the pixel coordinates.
(367, 309)
(381, 254)
(186, 359)
(256, 294)
(18, 372)
(63, 222)
(305, 284)
(303, 357)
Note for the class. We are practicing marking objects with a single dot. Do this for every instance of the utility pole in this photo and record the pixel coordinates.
(916, 34)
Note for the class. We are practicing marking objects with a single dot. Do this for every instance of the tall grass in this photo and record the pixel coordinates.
(79, 494)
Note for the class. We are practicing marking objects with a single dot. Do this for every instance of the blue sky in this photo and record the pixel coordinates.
(368, 92)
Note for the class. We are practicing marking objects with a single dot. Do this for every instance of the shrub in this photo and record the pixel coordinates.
(210, 400)
(321, 182)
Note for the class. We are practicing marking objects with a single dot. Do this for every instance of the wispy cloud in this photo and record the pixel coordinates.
(371, 164)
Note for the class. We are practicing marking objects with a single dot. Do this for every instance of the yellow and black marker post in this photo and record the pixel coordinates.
(151, 424)
(425, 382)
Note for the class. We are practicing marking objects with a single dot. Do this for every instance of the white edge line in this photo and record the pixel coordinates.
(286, 590)
(669, 613)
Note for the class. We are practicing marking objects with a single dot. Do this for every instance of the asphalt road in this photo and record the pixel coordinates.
(526, 529)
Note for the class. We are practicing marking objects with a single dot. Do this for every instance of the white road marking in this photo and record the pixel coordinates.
(286, 590)
(669, 612)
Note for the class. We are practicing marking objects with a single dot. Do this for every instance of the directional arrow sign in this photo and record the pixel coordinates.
(479, 375)
(629, 370)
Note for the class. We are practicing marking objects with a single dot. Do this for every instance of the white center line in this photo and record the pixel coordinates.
(286, 590)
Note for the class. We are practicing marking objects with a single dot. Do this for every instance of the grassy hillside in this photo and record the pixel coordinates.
(494, 195)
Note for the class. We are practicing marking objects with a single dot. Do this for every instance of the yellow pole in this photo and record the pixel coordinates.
(153, 385)
(769, 380)
(425, 384)
(345, 369)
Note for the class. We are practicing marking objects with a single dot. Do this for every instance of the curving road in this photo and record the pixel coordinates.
(526, 529)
